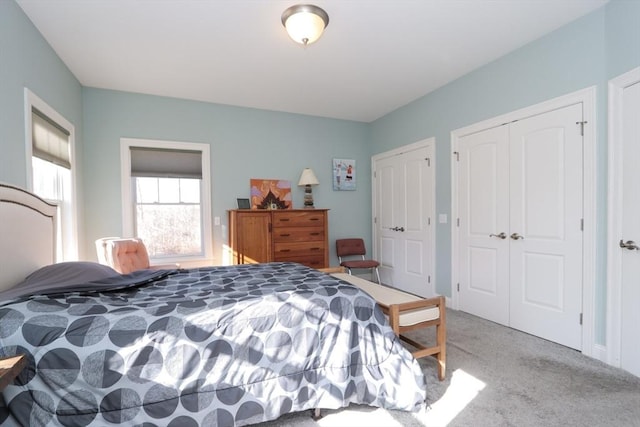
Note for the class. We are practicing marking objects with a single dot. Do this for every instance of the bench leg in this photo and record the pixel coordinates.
(441, 338)
(315, 414)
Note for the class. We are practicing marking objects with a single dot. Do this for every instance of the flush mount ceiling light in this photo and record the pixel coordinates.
(305, 22)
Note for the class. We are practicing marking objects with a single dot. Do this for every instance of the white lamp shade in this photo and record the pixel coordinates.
(308, 178)
(305, 23)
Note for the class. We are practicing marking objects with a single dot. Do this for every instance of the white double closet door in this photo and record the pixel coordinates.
(403, 200)
(520, 224)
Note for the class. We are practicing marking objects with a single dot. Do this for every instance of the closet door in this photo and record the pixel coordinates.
(629, 237)
(484, 224)
(404, 194)
(545, 181)
(520, 232)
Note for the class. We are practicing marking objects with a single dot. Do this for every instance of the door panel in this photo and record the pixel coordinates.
(416, 237)
(387, 200)
(483, 193)
(546, 210)
(404, 199)
(630, 286)
(546, 271)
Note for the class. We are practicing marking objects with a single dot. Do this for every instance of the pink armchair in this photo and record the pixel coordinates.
(125, 254)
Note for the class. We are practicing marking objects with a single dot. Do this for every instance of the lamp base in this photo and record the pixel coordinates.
(308, 198)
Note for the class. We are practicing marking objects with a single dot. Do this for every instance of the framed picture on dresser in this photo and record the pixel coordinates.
(244, 204)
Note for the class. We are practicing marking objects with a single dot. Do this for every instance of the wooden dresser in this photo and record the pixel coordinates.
(299, 235)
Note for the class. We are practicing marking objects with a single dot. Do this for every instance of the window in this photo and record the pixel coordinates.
(167, 202)
(50, 168)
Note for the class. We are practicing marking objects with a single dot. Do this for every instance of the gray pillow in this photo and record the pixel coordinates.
(59, 276)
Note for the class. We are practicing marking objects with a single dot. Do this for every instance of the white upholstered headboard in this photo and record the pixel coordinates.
(27, 234)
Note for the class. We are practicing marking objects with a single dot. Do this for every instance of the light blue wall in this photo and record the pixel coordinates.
(551, 66)
(27, 60)
(623, 36)
(248, 143)
(245, 143)
(584, 53)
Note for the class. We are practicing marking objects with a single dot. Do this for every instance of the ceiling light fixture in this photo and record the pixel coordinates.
(305, 22)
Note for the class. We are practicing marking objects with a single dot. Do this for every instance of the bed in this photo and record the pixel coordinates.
(217, 346)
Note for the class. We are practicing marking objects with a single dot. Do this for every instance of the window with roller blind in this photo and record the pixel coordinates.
(168, 199)
(50, 168)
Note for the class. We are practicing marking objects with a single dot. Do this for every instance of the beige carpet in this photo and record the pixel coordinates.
(498, 376)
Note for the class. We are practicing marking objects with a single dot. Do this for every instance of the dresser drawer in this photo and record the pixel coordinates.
(313, 261)
(298, 219)
(298, 234)
(284, 251)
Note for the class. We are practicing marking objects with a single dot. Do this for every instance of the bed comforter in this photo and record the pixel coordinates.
(219, 346)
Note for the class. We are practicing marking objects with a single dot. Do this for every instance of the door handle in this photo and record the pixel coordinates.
(397, 229)
(629, 244)
(502, 235)
(516, 236)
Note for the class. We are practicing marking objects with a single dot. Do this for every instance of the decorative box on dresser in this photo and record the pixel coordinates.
(299, 235)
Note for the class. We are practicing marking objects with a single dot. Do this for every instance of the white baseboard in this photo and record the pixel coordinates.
(599, 352)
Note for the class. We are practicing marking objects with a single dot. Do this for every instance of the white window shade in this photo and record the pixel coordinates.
(50, 141)
(157, 162)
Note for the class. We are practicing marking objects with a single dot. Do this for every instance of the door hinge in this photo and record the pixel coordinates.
(458, 222)
(458, 287)
(581, 318)
(428, 161)
(428, 221)
(582, 123)
(428, 279)
(581, 224)
(375, 219)
(457, 154)
(374, 174)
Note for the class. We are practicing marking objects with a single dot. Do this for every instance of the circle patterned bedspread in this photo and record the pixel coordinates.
(219, 346)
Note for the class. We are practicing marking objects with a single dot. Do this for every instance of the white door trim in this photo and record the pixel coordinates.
(588, 98)
(614, 206)
(396, 151)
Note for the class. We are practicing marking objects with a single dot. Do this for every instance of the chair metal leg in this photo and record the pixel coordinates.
(378, 275)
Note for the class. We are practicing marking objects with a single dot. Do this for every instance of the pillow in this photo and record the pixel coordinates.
(59, 275)
(71, 273)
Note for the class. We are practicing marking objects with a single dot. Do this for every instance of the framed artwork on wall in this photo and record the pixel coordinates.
(344, 174)
(270, 194)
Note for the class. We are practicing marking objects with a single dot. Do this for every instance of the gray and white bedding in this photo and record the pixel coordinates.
(218, 346)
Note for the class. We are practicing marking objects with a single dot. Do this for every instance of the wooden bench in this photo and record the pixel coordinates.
(10, 368)
(408, 312)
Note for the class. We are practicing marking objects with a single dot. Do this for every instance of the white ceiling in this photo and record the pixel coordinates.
(375, 55)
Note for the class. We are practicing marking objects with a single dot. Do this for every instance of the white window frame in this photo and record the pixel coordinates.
(128, 206)
(68, 234)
